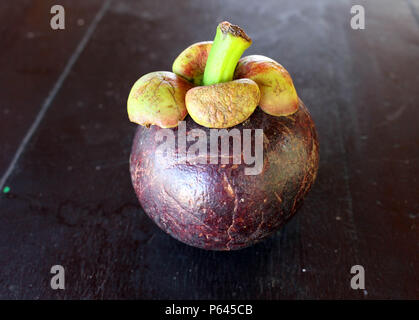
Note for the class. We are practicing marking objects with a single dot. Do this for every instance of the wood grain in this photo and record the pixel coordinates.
(71, 201)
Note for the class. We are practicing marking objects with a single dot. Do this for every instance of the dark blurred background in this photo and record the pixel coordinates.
(66, 195)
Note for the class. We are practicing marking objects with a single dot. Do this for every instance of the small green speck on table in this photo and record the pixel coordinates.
(6, 189)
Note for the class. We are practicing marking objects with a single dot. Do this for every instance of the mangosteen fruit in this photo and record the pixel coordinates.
(229, 174)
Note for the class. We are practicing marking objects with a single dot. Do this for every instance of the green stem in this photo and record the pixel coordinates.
(229, 44)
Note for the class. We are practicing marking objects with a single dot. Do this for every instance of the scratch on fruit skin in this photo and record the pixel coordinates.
(182, 210)
(278, 197)
(232, 194)
(257, 231)
(212, 193)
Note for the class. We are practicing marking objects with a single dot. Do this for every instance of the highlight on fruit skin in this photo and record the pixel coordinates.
(190, 63)
(278, 95)
(158, 98)
(223, 105)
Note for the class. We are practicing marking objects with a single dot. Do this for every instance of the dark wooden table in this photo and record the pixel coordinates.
(65, 141)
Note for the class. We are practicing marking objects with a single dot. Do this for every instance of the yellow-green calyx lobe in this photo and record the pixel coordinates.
(190, 63)
(158, 98)
(223, 105)
(229, 44)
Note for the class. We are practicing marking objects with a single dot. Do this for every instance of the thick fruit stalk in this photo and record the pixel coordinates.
(229, 44)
